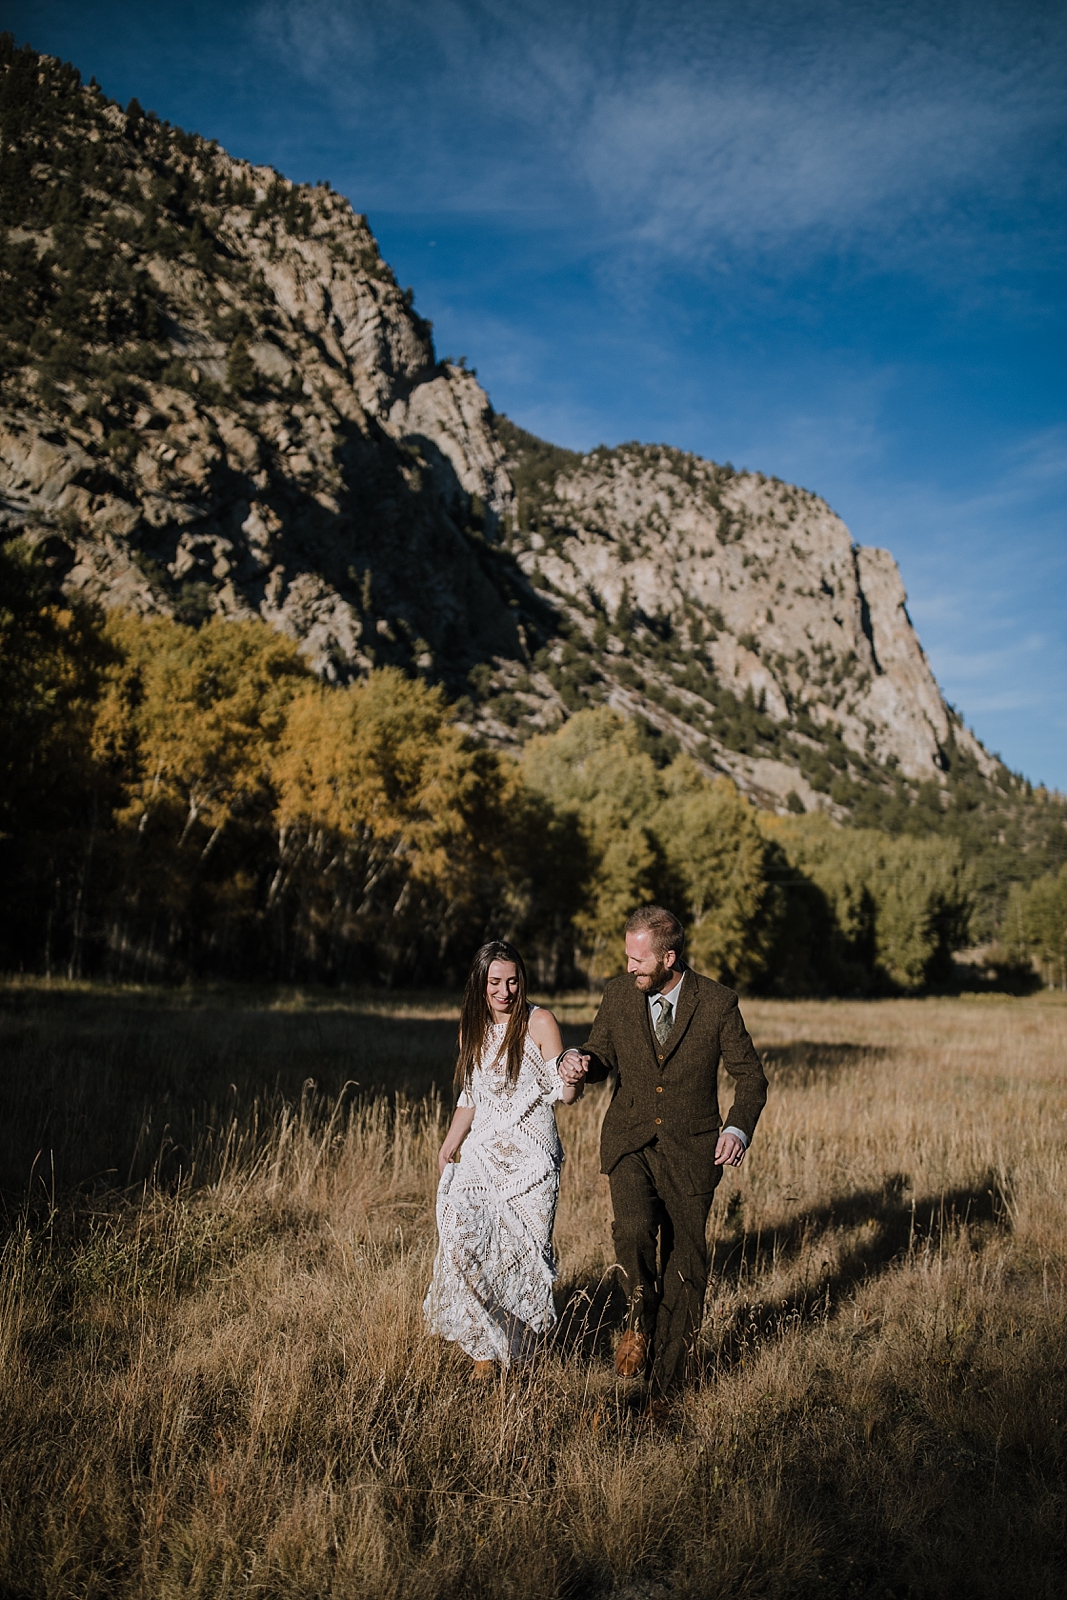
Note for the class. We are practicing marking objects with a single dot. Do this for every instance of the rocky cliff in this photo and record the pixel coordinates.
(736, 614)
(218, 400)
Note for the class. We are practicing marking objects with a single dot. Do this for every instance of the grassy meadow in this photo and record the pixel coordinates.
(215, 1380)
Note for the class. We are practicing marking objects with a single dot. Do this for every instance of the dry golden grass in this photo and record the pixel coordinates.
(219, 1385)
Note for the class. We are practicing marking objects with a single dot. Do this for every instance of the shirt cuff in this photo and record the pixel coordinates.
(738, 1133)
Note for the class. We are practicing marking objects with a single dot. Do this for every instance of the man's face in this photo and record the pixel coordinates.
(650, 972)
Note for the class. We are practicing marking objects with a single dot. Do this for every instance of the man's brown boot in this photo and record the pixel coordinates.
(632, 1354)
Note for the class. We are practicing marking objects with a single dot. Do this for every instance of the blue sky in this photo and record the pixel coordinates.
(823, 240)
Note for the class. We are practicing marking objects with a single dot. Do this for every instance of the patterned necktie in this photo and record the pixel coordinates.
(665, 1019)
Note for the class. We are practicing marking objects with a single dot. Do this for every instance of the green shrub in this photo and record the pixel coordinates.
(901, 905)
(1035, 925)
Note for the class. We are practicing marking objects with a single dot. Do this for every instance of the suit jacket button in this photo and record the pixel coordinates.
(659, 1088)
(658, 1121)
(661, 1055)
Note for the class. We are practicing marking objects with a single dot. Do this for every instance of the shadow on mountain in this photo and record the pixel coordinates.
(404, 545)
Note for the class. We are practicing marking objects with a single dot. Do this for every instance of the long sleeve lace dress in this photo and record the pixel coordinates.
(492, 1279)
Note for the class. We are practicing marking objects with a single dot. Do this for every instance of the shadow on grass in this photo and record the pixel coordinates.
(592, 1310)
(807, 1061)
(894, 1228)
(102, 1091)
(98, 1097)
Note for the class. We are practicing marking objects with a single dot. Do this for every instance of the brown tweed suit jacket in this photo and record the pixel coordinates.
(670, 1092)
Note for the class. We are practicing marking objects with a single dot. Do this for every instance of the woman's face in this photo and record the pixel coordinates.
(502, 986)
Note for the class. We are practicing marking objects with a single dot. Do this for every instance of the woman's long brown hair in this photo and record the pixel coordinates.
(475, 1018)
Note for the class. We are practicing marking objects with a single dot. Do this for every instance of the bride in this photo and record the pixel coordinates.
(499, 1164)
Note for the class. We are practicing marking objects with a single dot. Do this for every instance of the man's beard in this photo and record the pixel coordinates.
(652, 982)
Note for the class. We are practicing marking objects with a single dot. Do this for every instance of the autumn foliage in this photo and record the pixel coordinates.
(183, 800)
(193, 801)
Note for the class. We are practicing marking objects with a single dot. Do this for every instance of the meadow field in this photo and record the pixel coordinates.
(215, 1381)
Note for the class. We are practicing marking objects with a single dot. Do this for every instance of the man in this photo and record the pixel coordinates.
(662, 1031)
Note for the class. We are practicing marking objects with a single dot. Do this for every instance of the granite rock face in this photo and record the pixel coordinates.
(286, 445)
(755, 584)
(280, 441)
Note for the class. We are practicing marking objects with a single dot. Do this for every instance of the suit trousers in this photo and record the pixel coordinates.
(659, 1231)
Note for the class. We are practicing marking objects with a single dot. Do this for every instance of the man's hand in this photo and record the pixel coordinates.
(729, 1152)
(572, 1066)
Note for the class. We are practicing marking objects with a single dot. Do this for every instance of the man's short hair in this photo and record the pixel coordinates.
(667, 932)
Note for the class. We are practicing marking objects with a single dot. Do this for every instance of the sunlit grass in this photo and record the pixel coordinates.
(216, 1379)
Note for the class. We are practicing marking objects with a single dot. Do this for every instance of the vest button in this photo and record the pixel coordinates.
(661, 1055)
(659, 1088)
(658, 1121)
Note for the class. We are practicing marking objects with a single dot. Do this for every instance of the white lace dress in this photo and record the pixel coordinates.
(492, 1279)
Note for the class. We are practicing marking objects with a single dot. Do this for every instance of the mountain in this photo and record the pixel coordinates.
(217, 400)
(721, 604)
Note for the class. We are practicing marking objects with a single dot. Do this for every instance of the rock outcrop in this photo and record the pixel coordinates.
(746, 586)
(226, 405)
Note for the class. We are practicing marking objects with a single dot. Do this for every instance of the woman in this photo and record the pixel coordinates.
(492, 1279)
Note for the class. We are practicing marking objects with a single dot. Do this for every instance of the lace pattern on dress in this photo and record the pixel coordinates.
(492, 1281)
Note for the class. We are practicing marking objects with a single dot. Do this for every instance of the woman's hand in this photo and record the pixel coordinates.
(445, 1155)
(572, 1066)
(571, 1069)
(458, 1131)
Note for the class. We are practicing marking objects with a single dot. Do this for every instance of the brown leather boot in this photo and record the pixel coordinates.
(632, 1354)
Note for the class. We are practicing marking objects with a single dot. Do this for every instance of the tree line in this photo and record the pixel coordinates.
(1036, 926)
(181, 801)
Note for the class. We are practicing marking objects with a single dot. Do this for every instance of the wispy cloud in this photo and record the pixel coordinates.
(976, 664)
(1041, 458)
(751, 164)
(693, 127)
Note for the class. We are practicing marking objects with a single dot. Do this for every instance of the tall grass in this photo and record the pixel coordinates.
(216, 1381)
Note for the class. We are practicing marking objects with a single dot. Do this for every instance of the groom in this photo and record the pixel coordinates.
(662, 1030)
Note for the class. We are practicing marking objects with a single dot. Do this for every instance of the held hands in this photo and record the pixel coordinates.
(572, 1066)
(729, 1152)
